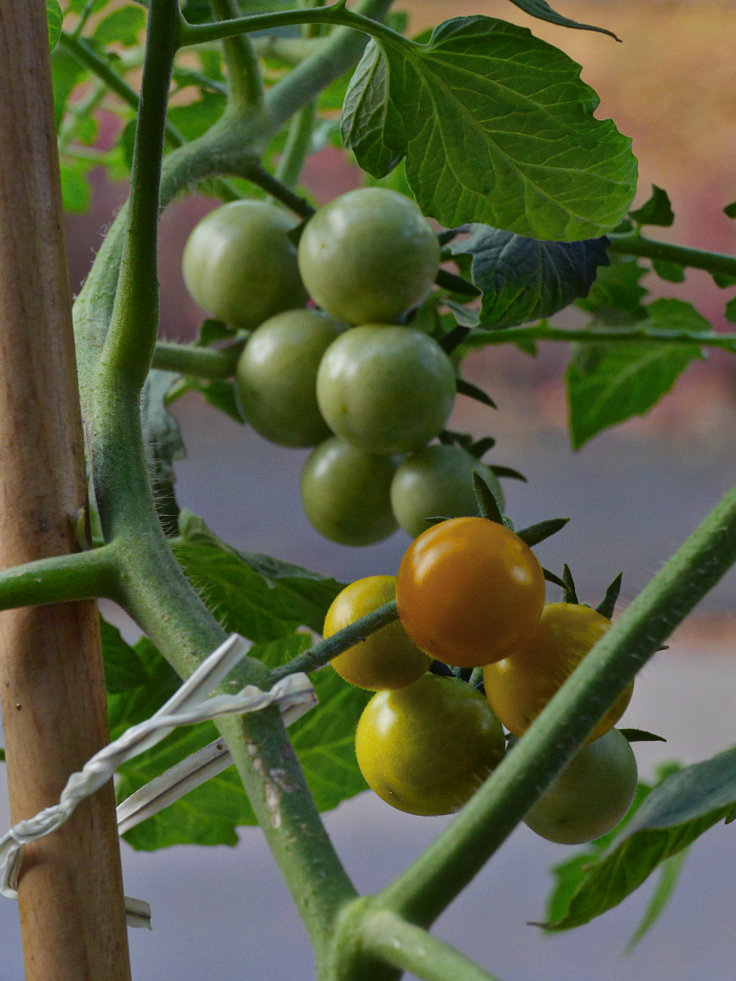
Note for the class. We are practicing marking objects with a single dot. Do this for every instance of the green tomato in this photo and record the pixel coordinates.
(368, 256)
(590, 796)
(383, 660)
(240, 266)
(276, 376)
(426, 748)
(346, 493)
(437, 482)
(385, 389)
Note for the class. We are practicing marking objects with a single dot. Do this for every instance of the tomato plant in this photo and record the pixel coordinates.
(437, 482)
(368, 256)
(469, 591)
(385, 389)
(346, 493)
(239, 264)
(516, 204)
(276, 376)
(590, 796)
(384, 660)
(403, 737)
(520, 685)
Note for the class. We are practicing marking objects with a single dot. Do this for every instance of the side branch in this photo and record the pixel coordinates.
(60, 579)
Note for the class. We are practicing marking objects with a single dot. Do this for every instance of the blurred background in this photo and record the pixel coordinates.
(633, 495)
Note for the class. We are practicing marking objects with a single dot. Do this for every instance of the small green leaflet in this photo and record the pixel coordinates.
(124, 26)
(54, 18)
(656, 211)
(542, 10)
(610, 382)
(525, 279)
(496, 127)
(676, 812)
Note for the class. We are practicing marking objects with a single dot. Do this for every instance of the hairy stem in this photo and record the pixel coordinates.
(241, 63)
(626, 335)
(60, 579)
(712, 262)
(432, 882)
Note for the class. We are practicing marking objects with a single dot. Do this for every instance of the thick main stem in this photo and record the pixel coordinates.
(70, 888)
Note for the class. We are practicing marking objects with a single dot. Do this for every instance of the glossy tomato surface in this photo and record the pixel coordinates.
(369, 255)
(426, 748)
(385, 389)
(519, 686)
(383, 660)
(346, 493)
(276, 376)
(240, 266)
(437, 482)
(469, 591)
(590, 796)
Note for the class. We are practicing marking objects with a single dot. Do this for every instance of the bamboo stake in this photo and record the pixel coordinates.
(51, 682)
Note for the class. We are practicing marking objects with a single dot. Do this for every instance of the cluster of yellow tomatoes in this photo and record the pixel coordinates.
(344, 375)
(471, 595)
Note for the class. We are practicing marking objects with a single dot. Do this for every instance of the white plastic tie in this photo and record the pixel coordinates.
(293, 694)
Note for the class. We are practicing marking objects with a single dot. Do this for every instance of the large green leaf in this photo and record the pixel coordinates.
(681, 808)
(608, 382)
(496, 127)
(526, 279)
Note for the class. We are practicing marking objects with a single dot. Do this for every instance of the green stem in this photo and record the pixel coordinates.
(631, 335)
(712, 262)
(296, 150)
(391, 939)
(432, 882)
(335, 14)
(241, 63)
(61, 579)
(323, 652)
(281, 192)
(199, 362)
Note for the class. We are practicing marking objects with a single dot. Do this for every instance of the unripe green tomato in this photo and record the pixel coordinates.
(383, 660)
(368, 256)
(426, 748)
(590, 796)
(520, 685)
(437, 482)
(276, 376)
(346, 493)
(240, 266)
(385, 389)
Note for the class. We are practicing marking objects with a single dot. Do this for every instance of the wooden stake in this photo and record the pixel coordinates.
(51, 682)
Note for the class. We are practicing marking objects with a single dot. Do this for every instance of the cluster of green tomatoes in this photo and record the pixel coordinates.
(476, 651)
(344, 375)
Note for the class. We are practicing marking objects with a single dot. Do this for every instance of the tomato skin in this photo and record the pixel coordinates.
(469, 591)
(590, 796)
(437, 481)
(519, 686)
(385, 389)
(240, 266)
(276, 376)
(384, 660)
(426, 748)
(346, 493)
(369, 255)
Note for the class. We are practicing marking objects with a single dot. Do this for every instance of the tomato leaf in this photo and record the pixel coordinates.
(526, 279)
(124, 26)
(616, 295)
(656, 211)
(54, 18)
(496, 127)
(542, 10)
(610, 382)
(676, 812)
